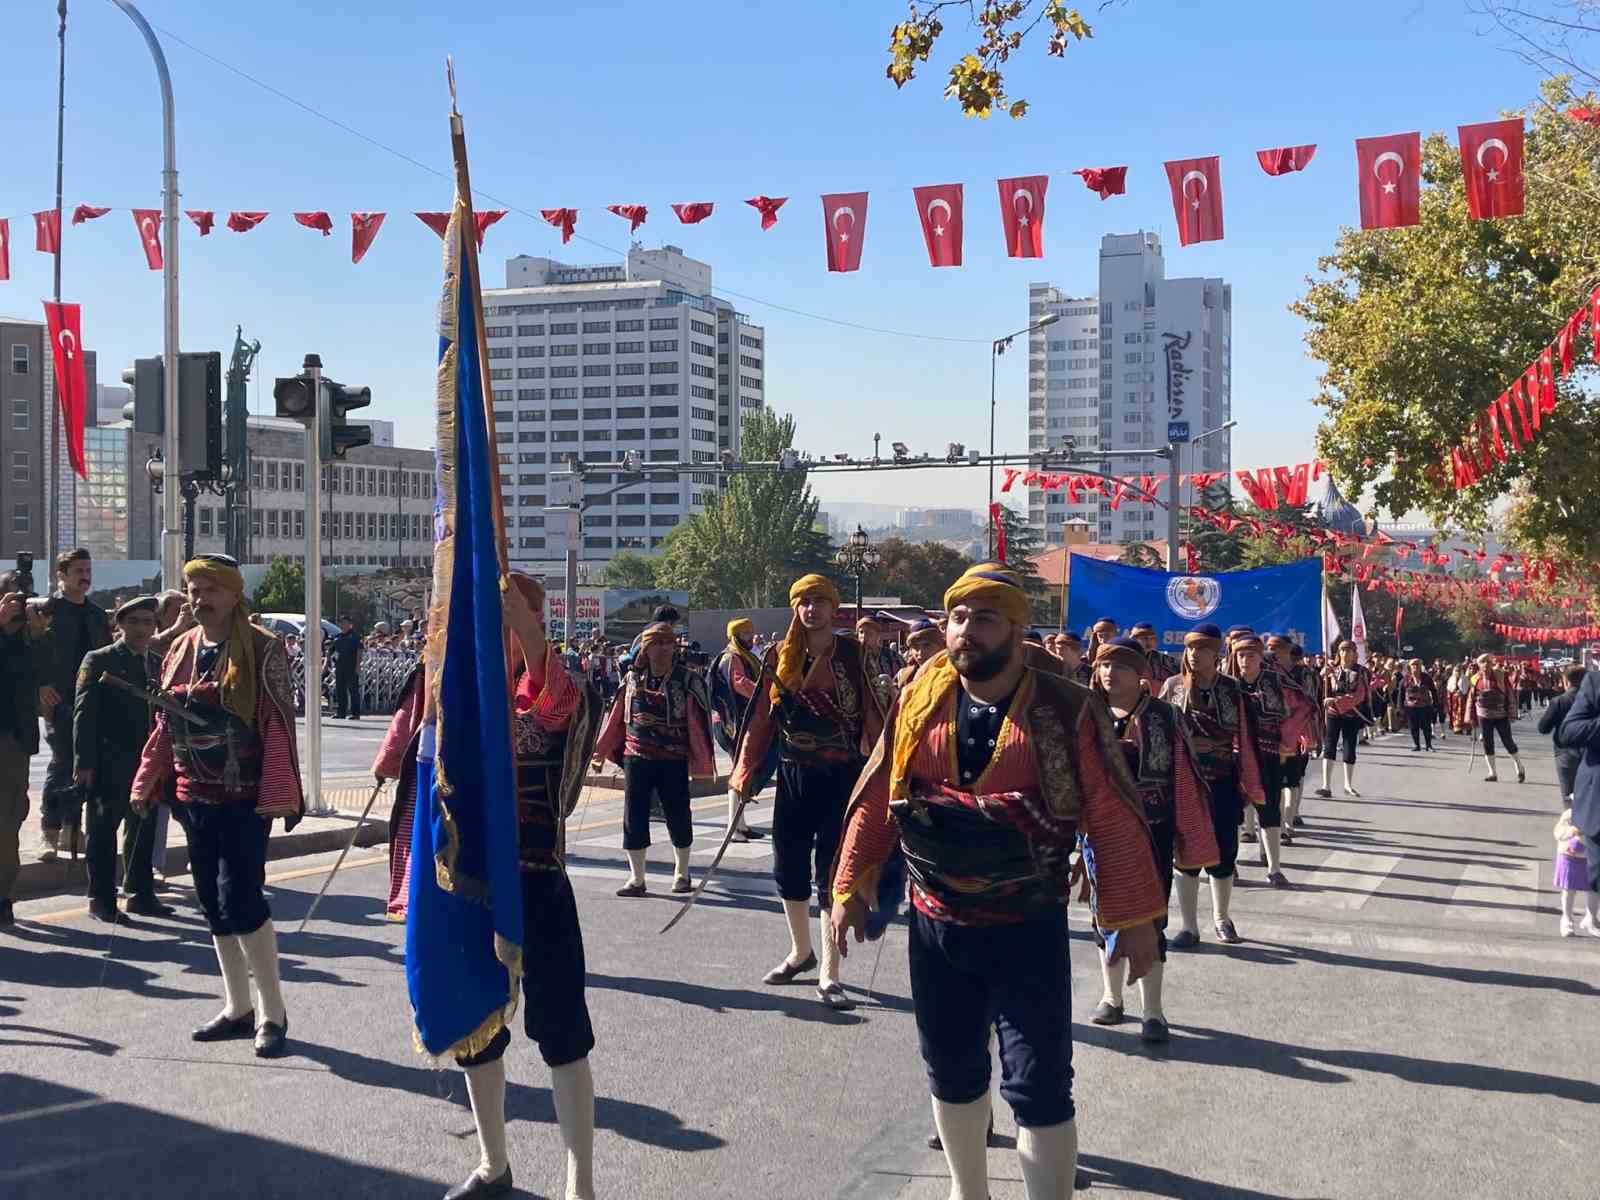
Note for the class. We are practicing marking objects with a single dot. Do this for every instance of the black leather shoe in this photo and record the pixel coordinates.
(835, 998)
(1184, 939)
(752, 835)
(223, 1028)
(109, 913)
(1153, 1031)
(476, 1185)
(144, 904)
(631, 889)
(271, 1038)
(681, 884)
(1106, 1014)
(8, 913)
(785, 972)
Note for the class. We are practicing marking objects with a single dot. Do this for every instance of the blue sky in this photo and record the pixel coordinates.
(647, 103)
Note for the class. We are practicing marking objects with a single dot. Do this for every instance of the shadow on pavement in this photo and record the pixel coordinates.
(1137, 1177)
(1275, 952)
(132, 1152)
(798, 1000)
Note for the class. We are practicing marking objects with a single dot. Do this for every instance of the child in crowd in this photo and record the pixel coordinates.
(1572, 873)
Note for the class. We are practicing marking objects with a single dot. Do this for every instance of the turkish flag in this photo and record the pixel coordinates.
(845, 214)
(47, 231)
(87, 212)
(148, 222)
(5, 248)
(1197, 198)
(693, 214)
(203, 219)
(768, 207)
(65, 322)
(1389, 177)
(1106, 181)
(564, 219)
(1491, 165)
(1022, 214)
(1283, 159)
(439, 222)
(319, 221)
(363, 231)
(244, 222)
(939, 208)
(633, 214)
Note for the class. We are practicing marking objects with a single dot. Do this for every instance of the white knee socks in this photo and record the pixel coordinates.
(235, 976)
(1221, 897)
(1291, 805)
(572, 1086)
(1349, 777)
(486, 1089)
(680, 861)
(1049, 1158)
(829, 972)
(1115, 977)
(635, 866)
(733, 806)
(964, 1128)
(1489, 759)
(261, 951)
(798, 914)
(1327, 775)
(1150, 993)
(1272, 839)
(1188, 889)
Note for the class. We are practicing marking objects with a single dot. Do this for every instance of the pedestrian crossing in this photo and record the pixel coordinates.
(1343, 881)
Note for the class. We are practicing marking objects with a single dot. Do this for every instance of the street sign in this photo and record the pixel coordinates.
(1177, 431)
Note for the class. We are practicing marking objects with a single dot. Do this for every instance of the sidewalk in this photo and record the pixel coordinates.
(312, 835)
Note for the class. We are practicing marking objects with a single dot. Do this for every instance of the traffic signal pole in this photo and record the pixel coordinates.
(313, 638)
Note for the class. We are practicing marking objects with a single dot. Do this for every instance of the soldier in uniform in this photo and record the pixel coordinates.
(109, 728)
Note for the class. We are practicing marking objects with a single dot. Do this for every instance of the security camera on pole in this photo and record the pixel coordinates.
(320, 405)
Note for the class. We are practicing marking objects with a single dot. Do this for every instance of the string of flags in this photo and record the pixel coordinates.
(1389, 189)
(1266, 487)
(1572, 635)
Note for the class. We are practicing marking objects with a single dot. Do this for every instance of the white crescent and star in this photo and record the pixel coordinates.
(843, 210)
(1505, 157)
(1183, 186)
(69, 344)
(1019, 195)
(1377, 170)
(938, 229)
(147, 227)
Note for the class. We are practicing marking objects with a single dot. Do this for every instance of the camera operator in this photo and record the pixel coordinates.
(75, 628)
(19, 728)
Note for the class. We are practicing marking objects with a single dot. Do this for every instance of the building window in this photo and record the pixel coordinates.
(255, 522)
(19, 412)
(663, 322)
(21, 467)
(255, 473)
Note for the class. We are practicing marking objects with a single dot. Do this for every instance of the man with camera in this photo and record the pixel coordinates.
(19, 727)
(75, 628)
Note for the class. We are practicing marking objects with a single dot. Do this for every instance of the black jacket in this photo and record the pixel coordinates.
(109, 725)
(1580, 732)
(1551, 720)
(19, 690)
(57, 663)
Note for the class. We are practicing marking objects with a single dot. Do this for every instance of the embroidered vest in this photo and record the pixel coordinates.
(1345, 681)
(1418, 696)
(1491, 702)
(1149, 743)
(822, 726)
(217, 764)
(657, 719)
(1268, 708)
(1212, 717)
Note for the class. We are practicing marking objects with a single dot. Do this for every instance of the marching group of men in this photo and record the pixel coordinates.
(985, 779)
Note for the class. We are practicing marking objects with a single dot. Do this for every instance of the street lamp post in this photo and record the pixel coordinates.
(1174, 508)
(858, 558)
(997, 348)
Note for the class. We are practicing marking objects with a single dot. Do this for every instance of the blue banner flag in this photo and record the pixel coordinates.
(464, 919)
(1285, 599)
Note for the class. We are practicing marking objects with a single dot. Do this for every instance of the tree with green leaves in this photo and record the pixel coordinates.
(977, 80)
(1142, 554)
(630, 569)
(1419, 329)
(916, 572)
(751, 541)
(282, 588)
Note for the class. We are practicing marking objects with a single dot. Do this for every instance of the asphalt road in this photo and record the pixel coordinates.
(1404, 1023)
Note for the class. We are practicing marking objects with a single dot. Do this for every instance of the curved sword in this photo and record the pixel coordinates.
(339, 862)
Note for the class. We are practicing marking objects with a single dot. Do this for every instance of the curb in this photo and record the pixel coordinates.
(697, 787)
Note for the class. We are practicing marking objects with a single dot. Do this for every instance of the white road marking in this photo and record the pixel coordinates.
(1490, 895)
(1357, 875)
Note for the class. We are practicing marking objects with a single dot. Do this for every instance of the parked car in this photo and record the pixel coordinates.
(293, 625)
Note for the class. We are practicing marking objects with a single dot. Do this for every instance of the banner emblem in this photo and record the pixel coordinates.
(1193, 597)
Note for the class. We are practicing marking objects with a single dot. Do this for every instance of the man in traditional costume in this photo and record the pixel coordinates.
(1221, 735)
(228, 778)
(1305, 731)
(1069, 649)
(397, 760)
(1492, 701)
(985, 777)
(1278, 715)
(1162, 665)
(1103, 630)
(824, 721)
(1151, 737)
(659, 732)
(553, 725)
(924, 640)
(732, 681)
(1346, 688)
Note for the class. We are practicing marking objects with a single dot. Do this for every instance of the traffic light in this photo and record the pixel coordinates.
(199, 408)
(293, 398)
(339, 435)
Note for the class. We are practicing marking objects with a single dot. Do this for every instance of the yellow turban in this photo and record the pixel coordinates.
(990, 585)
(239, 681)
(792, 653)
(741, 625)
(661, 631)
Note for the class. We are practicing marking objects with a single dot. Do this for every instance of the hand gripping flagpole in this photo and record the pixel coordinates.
(339, 862)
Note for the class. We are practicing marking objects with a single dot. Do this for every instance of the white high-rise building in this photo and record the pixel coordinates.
(1118, 370)
(599, 360)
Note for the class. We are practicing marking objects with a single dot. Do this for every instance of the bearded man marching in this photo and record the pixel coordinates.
(825, 720)
(228, 778)
(986, 775)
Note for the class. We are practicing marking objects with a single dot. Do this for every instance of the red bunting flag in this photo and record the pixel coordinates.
(319, 221)
(1389, 180)
(148, 222)
(1283, 159)
(768, 207)
(1584, 114)
(939, 209)
(87, 212)
(1022, 214)
(363, 231)
(244, 222)
(47, 231)
(845, 214)
(1104, 181)
(5, 248)
(693, 214)
(65, 323)
(999, 531)
(633, 214)
(1491, 165)
(564, 219)
(439, 222)
(203, 219)
(1197, 198)
(436, 221)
